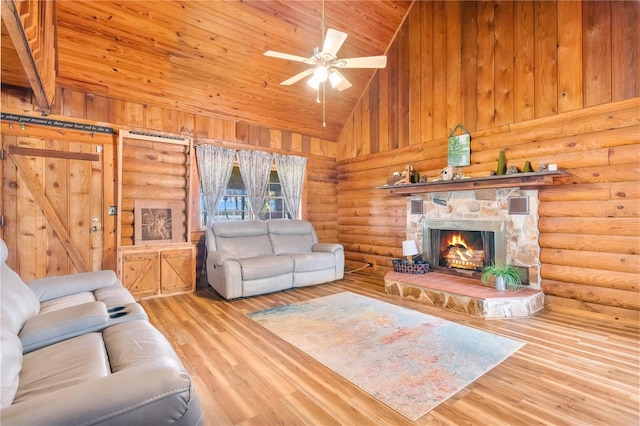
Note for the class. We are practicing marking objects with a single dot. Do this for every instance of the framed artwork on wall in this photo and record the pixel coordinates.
(459, 148)
(157, 222)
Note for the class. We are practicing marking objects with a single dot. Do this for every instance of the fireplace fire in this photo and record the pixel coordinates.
(463, 247)
(456, 252)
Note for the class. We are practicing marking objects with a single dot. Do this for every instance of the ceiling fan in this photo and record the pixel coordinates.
(326, 65)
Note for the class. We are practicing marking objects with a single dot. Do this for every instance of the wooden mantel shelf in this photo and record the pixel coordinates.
(534, 179)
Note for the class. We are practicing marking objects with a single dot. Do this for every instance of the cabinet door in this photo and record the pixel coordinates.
(178, 270)
(141, 273)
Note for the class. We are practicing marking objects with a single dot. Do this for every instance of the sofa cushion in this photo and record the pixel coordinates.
(114, 296)
(55, 326)
(62, 365)
(248, 239)
(267, 285)
(254, 268)
(291, 236)
(235, 228)
(307, 262)
(63, 285)
(19, 303)
(65, 302)
(303, 279)
(149, 345)
(10, 365)
(111, 296)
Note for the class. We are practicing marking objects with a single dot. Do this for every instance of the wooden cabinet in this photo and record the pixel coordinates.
(149, 271)
(154, 175)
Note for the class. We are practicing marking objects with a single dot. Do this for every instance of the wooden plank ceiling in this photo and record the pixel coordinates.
(206, 57)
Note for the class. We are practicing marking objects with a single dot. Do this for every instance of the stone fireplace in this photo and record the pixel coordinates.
(461, 232)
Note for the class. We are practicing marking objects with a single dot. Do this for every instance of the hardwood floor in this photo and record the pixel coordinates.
(572, 370)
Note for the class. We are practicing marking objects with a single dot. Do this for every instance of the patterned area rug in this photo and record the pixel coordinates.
(408, 360)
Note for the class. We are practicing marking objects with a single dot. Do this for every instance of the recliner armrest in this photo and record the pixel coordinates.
(64, 285)
(326, 247)
(154, 393)
(55, 326)
(219, 257)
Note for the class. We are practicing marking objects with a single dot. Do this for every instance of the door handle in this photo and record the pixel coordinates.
(95, 228)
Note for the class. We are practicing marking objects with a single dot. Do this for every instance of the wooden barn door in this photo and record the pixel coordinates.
(52, 206)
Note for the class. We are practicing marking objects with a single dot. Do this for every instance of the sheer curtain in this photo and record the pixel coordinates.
(291, 170)
(215, 164)
(255, 168)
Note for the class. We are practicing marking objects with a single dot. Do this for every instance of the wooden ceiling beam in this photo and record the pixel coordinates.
(31, 27)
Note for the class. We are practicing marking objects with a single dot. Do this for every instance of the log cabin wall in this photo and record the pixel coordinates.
(555, 82)
(319, 200)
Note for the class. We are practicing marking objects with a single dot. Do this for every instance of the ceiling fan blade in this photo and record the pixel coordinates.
(333, 41)
(344, 83)
(289, 57)
(297, 77)
(364, 62)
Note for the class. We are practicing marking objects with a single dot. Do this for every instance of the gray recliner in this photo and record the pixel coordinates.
(48, 310)
(247, 258)
(93, 357)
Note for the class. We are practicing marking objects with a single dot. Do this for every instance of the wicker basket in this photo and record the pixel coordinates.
(402, 266)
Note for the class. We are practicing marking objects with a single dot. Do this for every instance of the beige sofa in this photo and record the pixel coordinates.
(247, 258)
(77, 349)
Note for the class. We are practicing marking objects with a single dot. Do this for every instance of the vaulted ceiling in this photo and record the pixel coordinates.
(206, 57)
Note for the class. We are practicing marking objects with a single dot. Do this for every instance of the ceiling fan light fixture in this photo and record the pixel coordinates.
(320, 75)
(315, 84)
(334, 78)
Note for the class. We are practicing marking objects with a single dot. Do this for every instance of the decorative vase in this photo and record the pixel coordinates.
(502, 164)
(500, 284)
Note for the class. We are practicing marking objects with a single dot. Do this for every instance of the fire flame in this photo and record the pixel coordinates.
(458, 242)
(460, 255)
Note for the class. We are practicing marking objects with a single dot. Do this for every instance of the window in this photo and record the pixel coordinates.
(234, 204)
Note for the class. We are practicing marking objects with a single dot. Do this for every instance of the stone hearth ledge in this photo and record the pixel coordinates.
(463, 294)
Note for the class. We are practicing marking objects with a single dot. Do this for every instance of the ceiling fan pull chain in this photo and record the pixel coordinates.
(324, 115)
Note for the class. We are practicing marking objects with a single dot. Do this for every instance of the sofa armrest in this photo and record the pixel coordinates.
(338, 252)
(55, 326)
(158, 392)
(219, 257)
(209, 240)
(326, 247)
(224, 274)
(64, 285)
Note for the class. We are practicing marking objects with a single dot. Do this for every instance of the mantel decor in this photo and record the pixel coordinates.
(157, 222)
(534, 179)
(459, 147)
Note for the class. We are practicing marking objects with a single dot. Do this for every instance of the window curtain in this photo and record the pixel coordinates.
(255, 168)
(291, 170)
(215, 164)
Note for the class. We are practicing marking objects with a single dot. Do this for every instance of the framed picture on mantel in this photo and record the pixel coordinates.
(459, 148)
(157, 222)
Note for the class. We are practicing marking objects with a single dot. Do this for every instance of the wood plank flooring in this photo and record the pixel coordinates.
(572, 371)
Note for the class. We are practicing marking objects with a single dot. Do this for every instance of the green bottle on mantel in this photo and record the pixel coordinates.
(502, 164)
(527, 167)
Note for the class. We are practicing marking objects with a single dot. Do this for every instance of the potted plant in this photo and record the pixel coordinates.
(506, 276)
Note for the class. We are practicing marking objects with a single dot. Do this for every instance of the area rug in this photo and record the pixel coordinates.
(406, 359)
